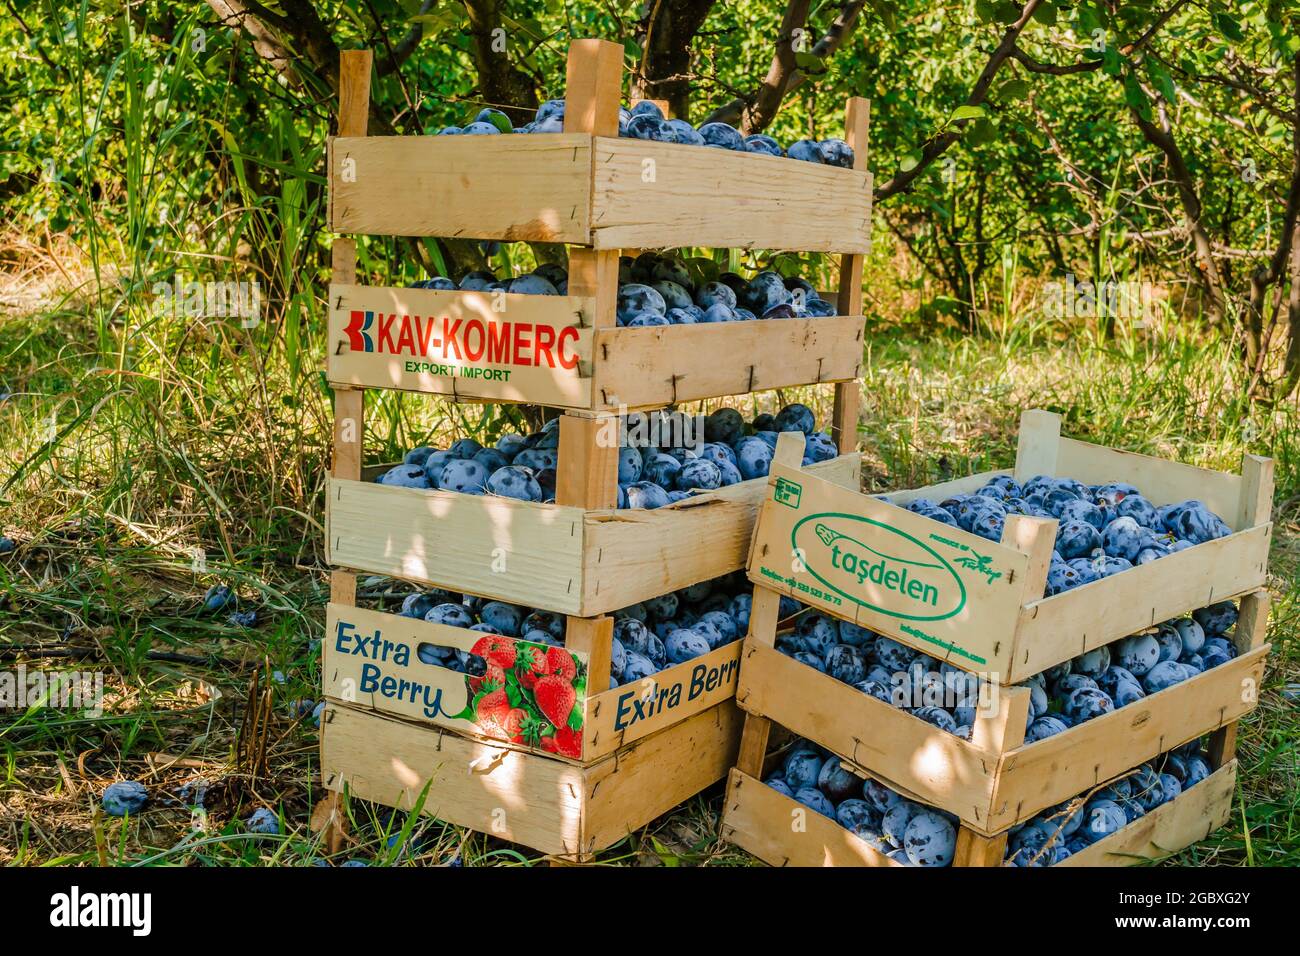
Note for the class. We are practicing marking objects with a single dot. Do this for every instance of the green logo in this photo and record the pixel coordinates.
(897, 575)
(787, 493)
(981, 564)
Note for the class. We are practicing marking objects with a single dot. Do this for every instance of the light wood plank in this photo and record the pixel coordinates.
(508, 347)
(505, 793)
(976, 850)
(1035, 537)
(517, 551)
(1066, 625)
(656, 773)
(1162, 481)
(669, 696)
(680, 363)
(1039, 445)
(588, 473)
(781, 832)
(354, 91)
(631, 555)
(533, 188)
(1188, 818)
(959, 600)
(593, 83)
(1256, 491)
(659, 195)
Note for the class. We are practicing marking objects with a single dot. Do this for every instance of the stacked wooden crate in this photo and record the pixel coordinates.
(979, 605)
(580, 556)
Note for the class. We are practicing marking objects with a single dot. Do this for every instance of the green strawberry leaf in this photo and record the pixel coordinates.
(575, 719)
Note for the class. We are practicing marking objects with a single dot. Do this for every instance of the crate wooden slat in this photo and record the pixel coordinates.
(759, 820)
(612, 717)
(555, 557)
(556, 807)
(979, 604)
(988, 789)
(482, 346)
(604, 192)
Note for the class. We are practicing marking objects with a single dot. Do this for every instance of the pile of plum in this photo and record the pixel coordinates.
(648, 637)
(906, 832)
(657, 289)
(646, 121)
(1064, 830)
(1103, 530)
(918, 835)
(523, 466)
(1063, 696)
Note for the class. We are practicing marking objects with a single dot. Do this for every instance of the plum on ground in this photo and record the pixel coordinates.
(124, 797)
(263, 821)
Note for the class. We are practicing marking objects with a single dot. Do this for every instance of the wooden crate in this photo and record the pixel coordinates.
(390, 679)
(996, 780)
(979, 604)
(603, 194)
(558, 557)
(760, 820)
(556, 350)
(566, 810)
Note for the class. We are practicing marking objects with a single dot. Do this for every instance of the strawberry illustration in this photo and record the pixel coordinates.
(494, 675)
(495, 650)
(532, 661)
(555, 699)
(560, 663)
(491, 709)
(513, 724)
(568, 742)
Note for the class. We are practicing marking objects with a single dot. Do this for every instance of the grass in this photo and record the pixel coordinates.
(146, 458)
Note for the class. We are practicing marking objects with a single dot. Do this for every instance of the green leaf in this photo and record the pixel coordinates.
(575, 718)
(981, 131)
(986, 10)
(1014, 90)
(1162, 80)
(967, 112)
(1136, 97)
(810, 63)
(1229, 27)
(1008, 12)
(1046, 13)
(911, 161)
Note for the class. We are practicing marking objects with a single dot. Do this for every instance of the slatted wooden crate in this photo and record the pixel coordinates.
(979, 604)
(560, 557)
(388, 677)
(563, 809)
(601, 193)
(995, 779)
(759, 820)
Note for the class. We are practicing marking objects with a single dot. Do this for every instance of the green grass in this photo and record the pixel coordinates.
(122, 457)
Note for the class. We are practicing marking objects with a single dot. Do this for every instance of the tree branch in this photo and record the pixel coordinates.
(938, 145)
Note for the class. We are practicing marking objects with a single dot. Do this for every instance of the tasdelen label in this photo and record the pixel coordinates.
(897, 574)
